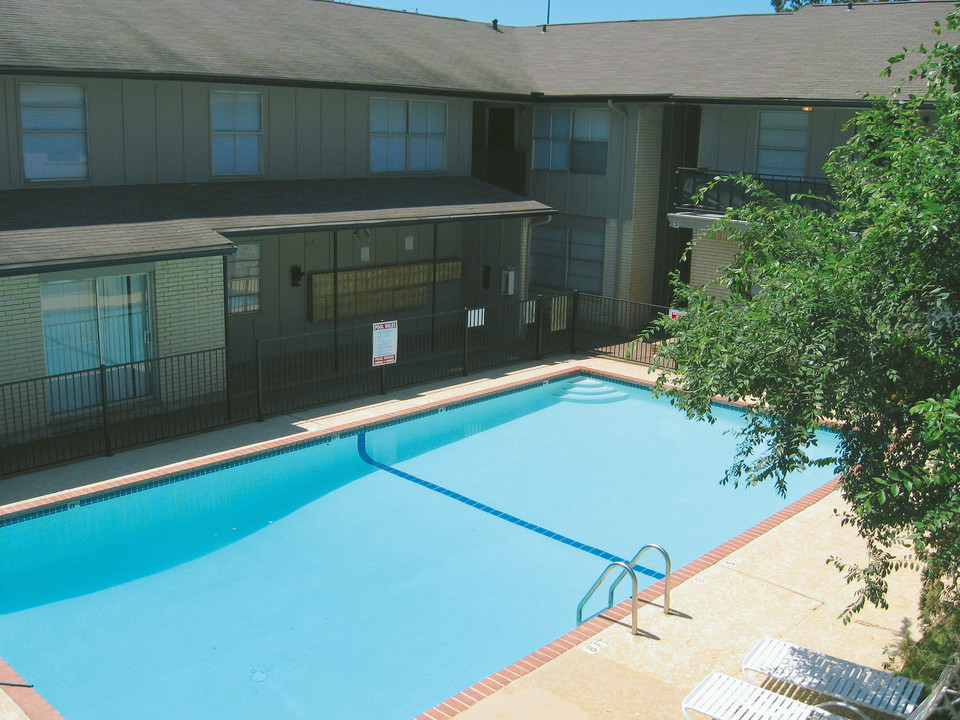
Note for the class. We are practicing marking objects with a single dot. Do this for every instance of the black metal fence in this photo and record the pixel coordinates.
(69, 416)
(690, 183)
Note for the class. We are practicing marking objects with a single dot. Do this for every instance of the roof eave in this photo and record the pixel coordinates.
(127, 74)
(34, 268)
(539, 97)
(786, 101)
(343, 224)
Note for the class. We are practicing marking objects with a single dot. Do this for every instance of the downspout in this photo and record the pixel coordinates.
(623, 170)
(527, 256)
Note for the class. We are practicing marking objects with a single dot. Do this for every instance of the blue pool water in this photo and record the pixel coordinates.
(370, 576)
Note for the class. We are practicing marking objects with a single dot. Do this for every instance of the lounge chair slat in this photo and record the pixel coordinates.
(726, 698)
(890, 692)
(834, 677)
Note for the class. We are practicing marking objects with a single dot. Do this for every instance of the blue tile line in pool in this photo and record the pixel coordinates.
(609, 557)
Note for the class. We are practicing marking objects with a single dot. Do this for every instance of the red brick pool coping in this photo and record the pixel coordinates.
(37, 708)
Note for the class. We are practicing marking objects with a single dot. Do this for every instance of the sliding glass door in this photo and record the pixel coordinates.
(92, 322)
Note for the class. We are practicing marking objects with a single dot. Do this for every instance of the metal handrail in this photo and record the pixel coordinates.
(633, 563)
(816, 192)
(603, 576)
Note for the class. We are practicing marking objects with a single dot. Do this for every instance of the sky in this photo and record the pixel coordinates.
(534, 12)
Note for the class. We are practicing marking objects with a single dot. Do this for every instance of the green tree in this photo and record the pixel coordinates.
(790, 5)
(852, 317)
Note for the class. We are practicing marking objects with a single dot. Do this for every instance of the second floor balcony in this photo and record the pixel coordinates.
(815, 193)
(504, 168)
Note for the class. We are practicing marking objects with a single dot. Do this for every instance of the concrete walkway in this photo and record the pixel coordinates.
(778, 585)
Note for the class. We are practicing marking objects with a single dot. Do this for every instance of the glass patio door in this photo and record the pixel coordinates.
(93, 322)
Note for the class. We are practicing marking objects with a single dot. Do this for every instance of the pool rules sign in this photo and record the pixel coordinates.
(384, 343)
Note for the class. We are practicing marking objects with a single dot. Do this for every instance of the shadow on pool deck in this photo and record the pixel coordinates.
(777, 585)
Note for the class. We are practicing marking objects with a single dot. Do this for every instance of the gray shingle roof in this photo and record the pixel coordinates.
(295, 40)
(820, 52)
(59, 228)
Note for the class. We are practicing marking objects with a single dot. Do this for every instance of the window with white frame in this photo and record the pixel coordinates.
(551, 139)
(568, 257)
(243, 280)
(407, 135)
(92, 322)
(571, 140)
(53, 125)
(782, 139)
(236, 126)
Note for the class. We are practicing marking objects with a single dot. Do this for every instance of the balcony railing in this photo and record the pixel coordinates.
(505, 168)
(725, 194)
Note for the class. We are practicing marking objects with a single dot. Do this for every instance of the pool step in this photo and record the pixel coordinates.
(591, 390)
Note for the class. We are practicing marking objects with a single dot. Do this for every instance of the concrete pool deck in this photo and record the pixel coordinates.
(773, 583)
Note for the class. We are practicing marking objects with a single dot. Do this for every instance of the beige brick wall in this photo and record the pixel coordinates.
(21, 329)
(22, 406)
(189, 305)
(189, 315)
(640, 236)
(523, 272)
(710, 252)
(189, 312)
(611, 248)
(190, 318)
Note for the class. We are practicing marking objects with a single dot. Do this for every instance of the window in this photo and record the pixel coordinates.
(407, 135)
(243, 280)
(236, 127)
(571, 140)
(53, 123)
(551, 140)
(568, 258)
(782, 143)
(92, 322)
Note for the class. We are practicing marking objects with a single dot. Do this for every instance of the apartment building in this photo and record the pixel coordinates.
(190, 174)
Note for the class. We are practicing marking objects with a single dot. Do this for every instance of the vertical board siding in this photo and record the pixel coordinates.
(196, 132)
(7, 147)
(310, 126)
(140, 133)
(728, 136)
(280, 133)
(105, 156)
(356, 138)
(170, 132)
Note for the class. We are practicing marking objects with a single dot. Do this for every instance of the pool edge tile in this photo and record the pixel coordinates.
(31, 702)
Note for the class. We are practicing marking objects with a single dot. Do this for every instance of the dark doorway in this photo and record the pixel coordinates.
(500, 129)
(495, 157)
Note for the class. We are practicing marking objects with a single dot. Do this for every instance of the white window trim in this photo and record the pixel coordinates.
(805, 151)
(409, 135)
(236, 134)
(570, 141)
(77, 388)
(84, 132)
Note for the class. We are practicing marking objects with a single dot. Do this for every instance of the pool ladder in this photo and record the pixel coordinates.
(627, 569)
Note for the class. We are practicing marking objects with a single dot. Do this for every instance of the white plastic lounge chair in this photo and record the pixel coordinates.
(725, 698)
(862, 686)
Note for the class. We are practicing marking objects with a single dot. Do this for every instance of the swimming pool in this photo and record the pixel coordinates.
(370, 576)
